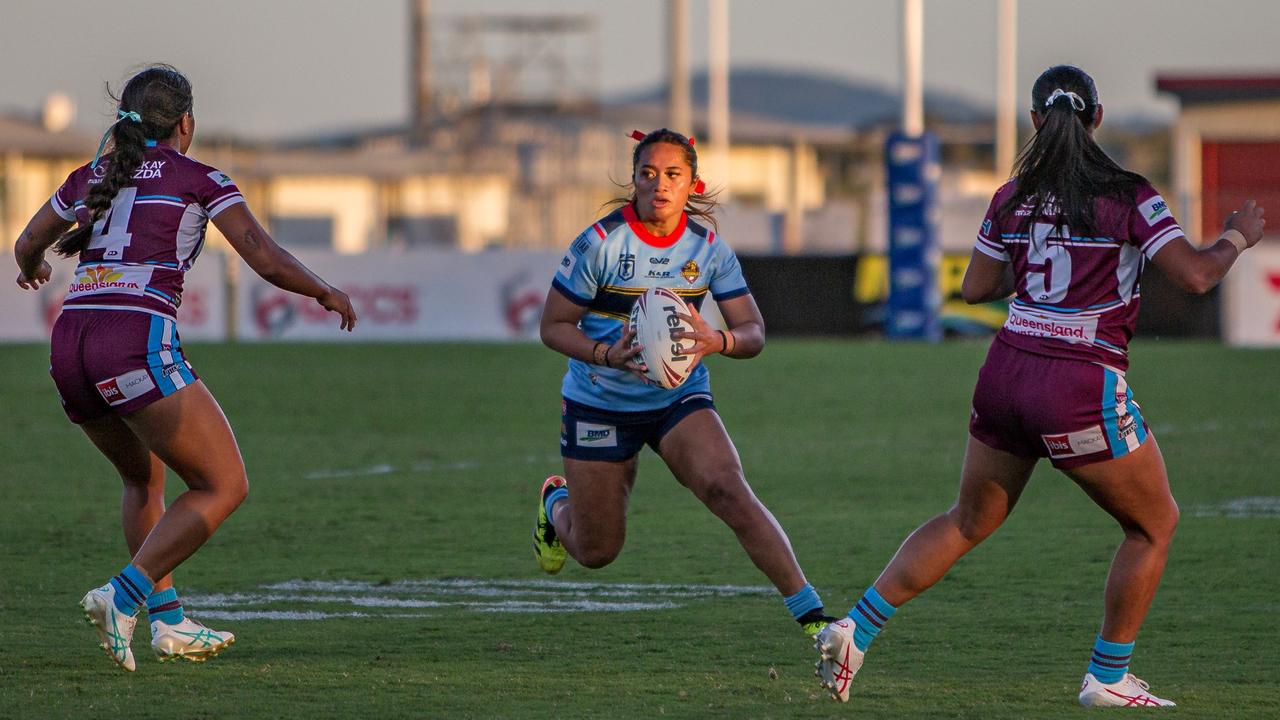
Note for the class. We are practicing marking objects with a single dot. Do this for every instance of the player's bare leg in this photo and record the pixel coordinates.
(143, 476)
(189, 433)
(592, 523)
(1134, 490)
(990, 484)
(702, 458)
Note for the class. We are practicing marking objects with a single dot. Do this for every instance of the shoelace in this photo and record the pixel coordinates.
(1139, 681)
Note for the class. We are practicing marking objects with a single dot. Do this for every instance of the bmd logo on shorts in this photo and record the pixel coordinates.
(593, 435)
(1084, 442)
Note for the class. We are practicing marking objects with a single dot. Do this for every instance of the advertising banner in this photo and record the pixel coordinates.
(28, 316)
(1251, 298)
(415, 295)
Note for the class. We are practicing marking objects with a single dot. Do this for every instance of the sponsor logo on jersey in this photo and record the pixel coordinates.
(1084, 442)
(690, 272)
(626, 266)
(659, 261)
(658, 274)
(1154, 210)
(125, 387)
(130, 280)
(986, 227)
(566, 265)
(593, 435)
(1070, 329)
(150, 170)
(582, 244)
(221, 178)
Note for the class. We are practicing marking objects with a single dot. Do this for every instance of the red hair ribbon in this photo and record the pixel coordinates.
(691, 141)
(699, 187)
(637, 135)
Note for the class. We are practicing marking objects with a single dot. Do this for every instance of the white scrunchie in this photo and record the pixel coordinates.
(1077, 102)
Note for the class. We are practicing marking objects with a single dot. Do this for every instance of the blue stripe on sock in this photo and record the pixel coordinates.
(132, 589)
(803, 601)
(1110, 661)
(551, 499)
(156, 607)
(869, 617)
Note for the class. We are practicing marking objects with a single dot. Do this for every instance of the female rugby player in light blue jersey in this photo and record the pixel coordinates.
(116, 358)
(609, 412)
(1068, 237)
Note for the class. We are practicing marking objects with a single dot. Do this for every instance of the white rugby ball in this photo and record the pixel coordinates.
(654, 317)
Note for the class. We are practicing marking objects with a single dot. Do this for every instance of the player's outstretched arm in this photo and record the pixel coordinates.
(276, 265)
(41, 233)
(1199, 270)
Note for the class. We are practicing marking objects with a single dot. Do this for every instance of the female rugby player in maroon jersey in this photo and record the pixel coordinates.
(1067, 237)
(116, 358)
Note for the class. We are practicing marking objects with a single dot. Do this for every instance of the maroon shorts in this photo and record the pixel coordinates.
(115, 361)
(1073, 412)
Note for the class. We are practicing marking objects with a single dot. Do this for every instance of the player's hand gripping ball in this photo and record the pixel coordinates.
(655, 317)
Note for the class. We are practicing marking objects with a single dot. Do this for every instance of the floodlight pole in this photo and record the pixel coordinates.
(912, 171)
(718, 93)
(1006, 86)
(678, 114)
(912, 67)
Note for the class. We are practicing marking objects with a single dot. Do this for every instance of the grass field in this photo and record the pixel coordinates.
(379, 565)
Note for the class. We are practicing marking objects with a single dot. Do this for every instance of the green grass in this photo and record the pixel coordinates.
(383, 463)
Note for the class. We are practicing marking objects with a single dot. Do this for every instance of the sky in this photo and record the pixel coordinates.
(282, 68)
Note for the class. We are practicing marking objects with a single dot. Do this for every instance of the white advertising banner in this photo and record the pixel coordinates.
(406, 295)
(1251, 298)
(28, 316)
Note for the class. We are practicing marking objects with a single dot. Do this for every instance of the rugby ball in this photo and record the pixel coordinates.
(654, 317)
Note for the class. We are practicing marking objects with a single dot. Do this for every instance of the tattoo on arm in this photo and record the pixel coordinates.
(251, 240)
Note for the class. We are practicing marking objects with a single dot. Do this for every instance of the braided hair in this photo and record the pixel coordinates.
(160, 96)
(1062, 170)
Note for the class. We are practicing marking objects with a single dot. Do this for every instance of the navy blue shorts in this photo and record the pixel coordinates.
(588, 433)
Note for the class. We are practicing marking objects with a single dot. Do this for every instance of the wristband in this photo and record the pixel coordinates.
(724, 339)
(1236, 238)
(597, 357)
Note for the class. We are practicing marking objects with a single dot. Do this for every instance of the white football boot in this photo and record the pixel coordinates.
(187, 640)
(841, 659)
(115, 629)
(1128, 692)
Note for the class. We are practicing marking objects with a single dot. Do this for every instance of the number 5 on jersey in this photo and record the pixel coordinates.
(1053, 261)
(112, 231)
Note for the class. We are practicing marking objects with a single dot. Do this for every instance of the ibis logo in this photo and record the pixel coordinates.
(690, 272)
(100, 277)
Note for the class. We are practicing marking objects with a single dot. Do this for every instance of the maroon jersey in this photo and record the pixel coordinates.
(151, 235)
(1076, 296)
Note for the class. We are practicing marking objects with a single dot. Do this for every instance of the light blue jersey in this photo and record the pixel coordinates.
(610, 265)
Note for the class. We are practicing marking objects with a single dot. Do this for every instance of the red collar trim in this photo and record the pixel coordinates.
(642, 232)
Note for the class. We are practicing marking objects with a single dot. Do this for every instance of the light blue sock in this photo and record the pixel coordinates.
(1110, 660)
(132, 588)
(869, 617)
(165, 607)
(803, 602)
(551, 499)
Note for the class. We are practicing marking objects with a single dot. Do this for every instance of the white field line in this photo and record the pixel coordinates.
(1244, 507)
(487, 596)
(428, 466)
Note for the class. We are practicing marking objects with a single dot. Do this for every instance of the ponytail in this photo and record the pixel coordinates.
(1061, 170)
(128, 145)
(150, 108)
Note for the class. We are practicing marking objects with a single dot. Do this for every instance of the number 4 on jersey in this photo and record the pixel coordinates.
(112, 231)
